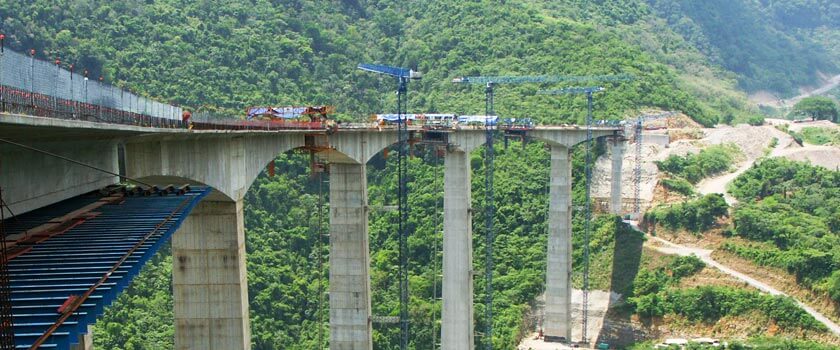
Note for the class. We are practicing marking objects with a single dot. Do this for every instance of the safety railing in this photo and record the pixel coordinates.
(17, 101)
(40, 88)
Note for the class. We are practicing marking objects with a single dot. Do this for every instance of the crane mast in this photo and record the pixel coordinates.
(403, 75)
(489, 211)
(637, 170)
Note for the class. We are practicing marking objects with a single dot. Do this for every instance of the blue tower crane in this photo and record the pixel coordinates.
(490, 83)
(403, 75)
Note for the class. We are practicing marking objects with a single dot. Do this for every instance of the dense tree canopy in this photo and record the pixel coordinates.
(791, 212)
(754, 38)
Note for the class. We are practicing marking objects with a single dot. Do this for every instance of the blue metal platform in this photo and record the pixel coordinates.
(71, 263)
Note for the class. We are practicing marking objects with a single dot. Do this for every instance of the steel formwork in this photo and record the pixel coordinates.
(62, 283)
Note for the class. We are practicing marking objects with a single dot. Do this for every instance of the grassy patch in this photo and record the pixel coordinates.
(821, 136)
(695, 216)
(710, 161)
(678, 185)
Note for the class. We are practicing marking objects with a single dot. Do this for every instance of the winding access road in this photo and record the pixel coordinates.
(670, 248)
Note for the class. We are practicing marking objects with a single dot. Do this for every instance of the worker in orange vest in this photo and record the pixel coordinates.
(185, 118)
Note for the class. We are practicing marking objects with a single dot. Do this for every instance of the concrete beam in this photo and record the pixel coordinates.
(209, 280)
(559, 259)
(467, 140)
(568, 137)
(457, 313)
(350, 321)
(32, 180)
(615, 180)
(357, 147)
(227, 162)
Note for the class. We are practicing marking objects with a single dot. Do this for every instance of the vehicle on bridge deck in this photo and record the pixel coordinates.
(517, 124)
(275, 118)
(295, 117)
(313, 113)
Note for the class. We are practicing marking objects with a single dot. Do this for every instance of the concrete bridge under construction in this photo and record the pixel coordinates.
(209, 273)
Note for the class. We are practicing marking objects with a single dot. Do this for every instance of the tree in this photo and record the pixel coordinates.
(834, 286)
(818, 107)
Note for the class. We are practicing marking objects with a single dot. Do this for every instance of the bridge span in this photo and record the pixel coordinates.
(209, 277)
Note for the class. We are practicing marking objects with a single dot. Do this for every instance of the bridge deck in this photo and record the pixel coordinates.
(27, 127)
(79, 253)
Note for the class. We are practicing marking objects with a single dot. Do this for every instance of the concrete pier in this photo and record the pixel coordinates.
(557, 325)
(457, 314)
(350, 323)
(209, 283)
(615, 179)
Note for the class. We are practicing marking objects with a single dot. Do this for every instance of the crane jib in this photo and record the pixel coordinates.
(541, 79)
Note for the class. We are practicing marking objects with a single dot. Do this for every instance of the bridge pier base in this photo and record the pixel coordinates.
(615, 180)
(209, 280)
(457, 312)
(557, 326)
(350, 322)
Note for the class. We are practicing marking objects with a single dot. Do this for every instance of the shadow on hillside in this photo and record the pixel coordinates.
(617, 329)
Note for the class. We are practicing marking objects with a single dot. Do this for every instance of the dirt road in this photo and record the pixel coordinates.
(667, 247)
(833, 82)
(744, 136)
(770, 99)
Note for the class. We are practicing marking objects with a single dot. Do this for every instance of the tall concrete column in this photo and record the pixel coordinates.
(457, 316)
(350, 324)
(558, 305)
(615, 180)
(209, 280)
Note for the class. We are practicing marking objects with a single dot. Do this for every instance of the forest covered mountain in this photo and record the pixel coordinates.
(698, 57)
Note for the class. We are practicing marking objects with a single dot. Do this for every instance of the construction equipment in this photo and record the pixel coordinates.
(587, 209)
(289, 112)
(489, 83)
(293, 117)
(637, 171)
(403, 75)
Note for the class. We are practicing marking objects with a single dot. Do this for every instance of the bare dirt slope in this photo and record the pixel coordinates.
(824, 156)
(769, 99)
(753, 142)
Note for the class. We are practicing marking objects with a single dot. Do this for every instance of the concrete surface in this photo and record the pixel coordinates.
(350, 322)
(31, 180)
(457, 312)
(209, 281)
(617, 156)
(559, 258)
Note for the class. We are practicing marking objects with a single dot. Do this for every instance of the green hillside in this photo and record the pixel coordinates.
(226, 55)
(770, 45)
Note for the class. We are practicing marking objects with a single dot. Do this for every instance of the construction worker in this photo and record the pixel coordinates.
(331, 126)
(185, 118)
